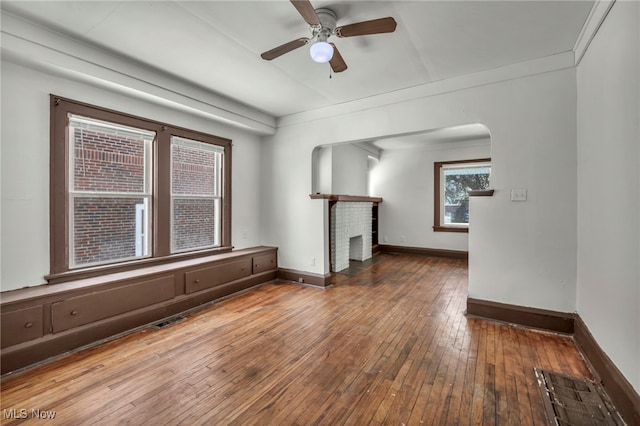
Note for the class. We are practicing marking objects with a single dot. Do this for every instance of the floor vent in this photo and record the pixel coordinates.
(570, 401)
(168, 321)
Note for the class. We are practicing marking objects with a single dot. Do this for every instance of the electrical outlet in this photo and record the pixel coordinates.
(518, 194)
(313, 261)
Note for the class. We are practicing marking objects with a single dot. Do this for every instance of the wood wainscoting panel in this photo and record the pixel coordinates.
(265, 262)
(22, 325)
(215, 275)
(42, 322)
(81, 310)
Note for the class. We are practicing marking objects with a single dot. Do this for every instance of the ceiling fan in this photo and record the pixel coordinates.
(322, 23)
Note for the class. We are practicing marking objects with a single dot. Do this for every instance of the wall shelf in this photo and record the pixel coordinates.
(340, 197)
(481, 193)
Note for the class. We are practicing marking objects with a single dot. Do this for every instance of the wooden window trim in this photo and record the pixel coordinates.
(437, 167)
(59, 178)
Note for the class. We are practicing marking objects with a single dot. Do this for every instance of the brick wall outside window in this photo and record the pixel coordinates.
(194, 223)
(193, 171)
(106, 162)
(104, 229)
(194, 174)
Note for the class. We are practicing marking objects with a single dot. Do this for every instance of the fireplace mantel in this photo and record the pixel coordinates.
(341, 197)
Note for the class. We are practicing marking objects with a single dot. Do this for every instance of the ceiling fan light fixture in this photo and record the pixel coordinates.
(321, 52)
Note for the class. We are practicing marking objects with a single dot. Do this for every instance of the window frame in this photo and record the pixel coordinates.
(160, 248)
(216, 197)
(438, 226)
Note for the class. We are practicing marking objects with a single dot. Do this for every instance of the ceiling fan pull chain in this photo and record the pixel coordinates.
(330, 74)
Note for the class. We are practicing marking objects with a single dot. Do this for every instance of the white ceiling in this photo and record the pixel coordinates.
(217, 44)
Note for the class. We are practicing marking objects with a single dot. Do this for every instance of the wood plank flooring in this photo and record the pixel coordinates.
(390, 345)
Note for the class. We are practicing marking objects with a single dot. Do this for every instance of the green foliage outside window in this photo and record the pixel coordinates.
(456, 184)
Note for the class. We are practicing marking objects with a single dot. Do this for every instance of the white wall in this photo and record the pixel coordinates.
(321, 165)
(608, 289)
(404, 179)
(25, 166)
(349, 170)
(340, 169)
(526, 252)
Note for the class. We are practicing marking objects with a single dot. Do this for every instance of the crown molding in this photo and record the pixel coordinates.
(590, 28)
(523, 69)
(42, 49)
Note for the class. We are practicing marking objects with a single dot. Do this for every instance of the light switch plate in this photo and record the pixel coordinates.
(518, 194)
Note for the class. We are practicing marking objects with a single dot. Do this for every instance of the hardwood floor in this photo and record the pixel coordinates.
(390, 345)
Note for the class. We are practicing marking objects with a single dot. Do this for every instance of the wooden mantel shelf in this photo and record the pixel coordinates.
(481, 193)
(338, 197)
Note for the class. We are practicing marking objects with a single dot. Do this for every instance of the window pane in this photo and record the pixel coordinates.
(109, 229)
(195, 168)
(195, 223)
(195, 188)
(108, 157)
(457, 181)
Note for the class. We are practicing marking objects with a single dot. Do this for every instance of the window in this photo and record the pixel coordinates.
(451, 200)
(109, 192)
(195, 194)
(128, 192)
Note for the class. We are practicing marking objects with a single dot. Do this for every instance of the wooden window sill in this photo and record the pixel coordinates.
(131, 266)
(73, 285)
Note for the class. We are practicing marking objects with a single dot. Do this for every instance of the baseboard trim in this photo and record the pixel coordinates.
(623, 395)
(451, 254)
(560, 322)
(621, 392)
(306, 277)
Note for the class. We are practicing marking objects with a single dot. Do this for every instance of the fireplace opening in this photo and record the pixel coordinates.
(355, 248)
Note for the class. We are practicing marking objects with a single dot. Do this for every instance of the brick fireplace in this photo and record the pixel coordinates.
(350, 230)
(350, 233)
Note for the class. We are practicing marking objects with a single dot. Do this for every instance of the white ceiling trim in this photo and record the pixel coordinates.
(596, 16)
(23, 42)
(523, 69)
(555, 62)
(85, 62)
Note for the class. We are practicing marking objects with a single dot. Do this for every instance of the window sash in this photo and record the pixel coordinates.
(113, 130)
(216, 226)
(142, 236)
(198, 149)
(460, 167)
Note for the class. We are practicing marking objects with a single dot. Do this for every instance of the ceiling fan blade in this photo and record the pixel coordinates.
(375, 26)
(307, 11)
(285, 48)
(337, 62)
